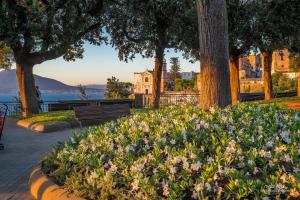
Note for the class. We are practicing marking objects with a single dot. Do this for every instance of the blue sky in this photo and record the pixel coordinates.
(100, 63)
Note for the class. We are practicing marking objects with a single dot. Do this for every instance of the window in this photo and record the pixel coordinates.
(146, 79)
(281, 55)
(146, 91)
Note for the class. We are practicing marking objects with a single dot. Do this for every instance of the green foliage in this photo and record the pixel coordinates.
(275, 23)
(240, 16)
(186, 84)
(56, 117)
(42, 30)
(282, 83)
(175, 69)
(246, 151)
(295, 61)
(116, 89)
(6, 57)
(142, 27)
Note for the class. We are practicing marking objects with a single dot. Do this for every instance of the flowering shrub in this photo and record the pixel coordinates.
(244, 151)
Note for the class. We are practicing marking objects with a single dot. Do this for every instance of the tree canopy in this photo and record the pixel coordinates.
(139, 27)
(116, 89)
(41, 30)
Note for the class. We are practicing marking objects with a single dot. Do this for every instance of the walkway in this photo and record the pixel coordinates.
(23, 149)
(295, 105)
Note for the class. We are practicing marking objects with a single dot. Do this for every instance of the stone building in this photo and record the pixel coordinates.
(143, 81)
(188, 75)
(251, 66)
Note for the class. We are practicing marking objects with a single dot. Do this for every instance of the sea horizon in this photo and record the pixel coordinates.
(52, 96)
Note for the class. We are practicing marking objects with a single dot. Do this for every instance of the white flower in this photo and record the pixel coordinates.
(172, 169)
(165, 189)
(198, 187)
(135, 184)
(265, 154)
(265, 198)
(210, 160)
(280, 188)
(145, 127)
(280, 149)
(250, 162)
(196, 166)
(186, 165)
(208, 186)
(287, 158)
(271, 164)
(294, 193)
(212, 109)
(195, 195)
(173, 141)
(113, 168)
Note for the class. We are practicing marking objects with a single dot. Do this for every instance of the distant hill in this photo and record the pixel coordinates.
(8, 83)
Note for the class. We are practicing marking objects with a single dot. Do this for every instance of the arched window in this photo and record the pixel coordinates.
(146, 79)
(281, 55)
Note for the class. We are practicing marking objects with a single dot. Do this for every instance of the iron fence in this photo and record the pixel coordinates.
(172, 99)
(14, 108)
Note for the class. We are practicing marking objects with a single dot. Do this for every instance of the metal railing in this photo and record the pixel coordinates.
(14, 108)
(172, 99)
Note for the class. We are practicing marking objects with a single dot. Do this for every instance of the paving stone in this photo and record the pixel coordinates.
(23, 149)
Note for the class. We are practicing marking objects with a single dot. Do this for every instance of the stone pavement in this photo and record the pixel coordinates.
(23, 149)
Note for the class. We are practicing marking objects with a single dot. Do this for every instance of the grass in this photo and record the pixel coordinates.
(281, 102)
(56, 117)
(65, 116)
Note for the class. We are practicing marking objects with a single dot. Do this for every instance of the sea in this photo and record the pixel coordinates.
(52, 97)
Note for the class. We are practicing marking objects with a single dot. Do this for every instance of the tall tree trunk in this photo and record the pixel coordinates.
(298, 84)
(267, 77)
(27, 89)
(157, 75)
(214, 53)
(234, 78)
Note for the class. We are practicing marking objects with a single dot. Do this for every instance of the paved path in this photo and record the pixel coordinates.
(295, 105)
(23, 149)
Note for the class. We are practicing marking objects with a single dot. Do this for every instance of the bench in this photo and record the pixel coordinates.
(95, 115)
(3, 110)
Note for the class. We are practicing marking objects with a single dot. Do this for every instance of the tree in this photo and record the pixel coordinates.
(240, 39)
(116, 89)
(42, 30)
(83, 93)
(148, 28)
(214, 53)
(185, 84)
(295, 65)
(275, 23)
(175, 70)
(6, 58)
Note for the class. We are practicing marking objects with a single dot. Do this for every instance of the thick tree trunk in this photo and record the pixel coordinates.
(298, 84)
(214, 53)
(157, 75)
(234, 78)
(27, 89)
(267, 77)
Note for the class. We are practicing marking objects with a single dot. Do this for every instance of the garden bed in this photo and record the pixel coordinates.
(245, 151)
(49, 122)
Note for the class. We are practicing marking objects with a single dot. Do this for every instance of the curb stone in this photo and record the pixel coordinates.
(42, 128)
(42, 188)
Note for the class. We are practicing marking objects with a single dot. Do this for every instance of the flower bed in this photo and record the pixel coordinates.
(245, 151)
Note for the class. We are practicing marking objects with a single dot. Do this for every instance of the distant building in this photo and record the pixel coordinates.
(188, 75)
(251, 66)
(143, 81)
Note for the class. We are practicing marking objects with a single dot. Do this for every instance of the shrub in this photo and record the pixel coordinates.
(245, 151)
(282, 83)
